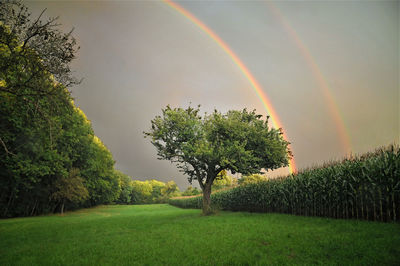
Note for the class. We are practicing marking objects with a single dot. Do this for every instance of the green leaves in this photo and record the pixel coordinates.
(44, 137)
(152, 191)
(239, 141)
(71, 188)
(358, 187)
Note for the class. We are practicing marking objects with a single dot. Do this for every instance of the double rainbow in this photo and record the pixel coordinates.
(254, 84)
(321, 80)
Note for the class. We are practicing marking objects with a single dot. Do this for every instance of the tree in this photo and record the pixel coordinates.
(190, 191)
(35, 57)
(98, 173)
(170, 189)
(203, 146)
(31, 124)
(141, 192)
(70, 189)
(255, 178)
(27, 39)
(223, 180)
(126, 187)
(157, 187)
(42, 134)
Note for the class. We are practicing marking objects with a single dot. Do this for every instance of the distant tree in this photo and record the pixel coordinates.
(223, 180)
(98, 172)
(238, 141)
(126, 187)
(157, 187)
(70, 189)
(153, 191)
(170, 189)
(141, 192)
(190, 191)
(255, 178)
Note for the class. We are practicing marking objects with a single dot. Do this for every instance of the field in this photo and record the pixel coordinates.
(166, 235)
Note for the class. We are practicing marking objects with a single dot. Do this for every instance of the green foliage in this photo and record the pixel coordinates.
(70, 189)
(153, 191)
(170, 189)
(33, 47)
(101, 181)
(364, 187)
(202, 147)
(44, 139)
(190, 191)
(255, 178)
(126, 185)
(157, 186)
(142, 192)
(223, 181)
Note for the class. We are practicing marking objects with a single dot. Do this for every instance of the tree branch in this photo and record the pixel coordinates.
(201, 184)
(5, 147)
(199, 179)
(36, 32)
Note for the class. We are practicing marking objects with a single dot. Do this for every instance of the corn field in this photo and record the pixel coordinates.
(363, 187)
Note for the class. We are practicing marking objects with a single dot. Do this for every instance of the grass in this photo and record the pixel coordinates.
(166, 235)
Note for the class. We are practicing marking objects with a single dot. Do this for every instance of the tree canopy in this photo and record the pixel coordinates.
(203, 146)
(45, 140)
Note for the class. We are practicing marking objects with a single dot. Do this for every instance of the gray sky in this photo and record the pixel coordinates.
(137, 57)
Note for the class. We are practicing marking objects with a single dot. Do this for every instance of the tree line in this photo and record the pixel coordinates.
(50, 158)
(145, 192)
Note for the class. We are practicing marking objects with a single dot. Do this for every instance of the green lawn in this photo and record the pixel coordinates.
(166, 235)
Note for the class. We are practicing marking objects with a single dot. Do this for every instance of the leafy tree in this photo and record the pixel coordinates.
(255, 178)
(153, 191)
(157, 187)
(170, 189)
(28, 39)
(34, 63)
(125, 182)
(43, 136)
(141, 192)
(223, 180)
(70, 189)
(203, 146)
(99, 176)
(32, 105)
(190, 191)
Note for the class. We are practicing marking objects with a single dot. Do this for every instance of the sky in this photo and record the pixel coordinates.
(330, 70)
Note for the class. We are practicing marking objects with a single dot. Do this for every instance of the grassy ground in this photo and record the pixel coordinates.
(166, 235)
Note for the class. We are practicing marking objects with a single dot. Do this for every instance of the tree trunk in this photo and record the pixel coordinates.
(62, 207)
(9, 203)
(34, 207)
(207, 200)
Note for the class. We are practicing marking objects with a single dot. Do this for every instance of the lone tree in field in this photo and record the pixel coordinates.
(203, 146)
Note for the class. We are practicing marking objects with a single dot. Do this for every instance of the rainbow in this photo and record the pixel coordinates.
(317, 73)
(254, 84)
